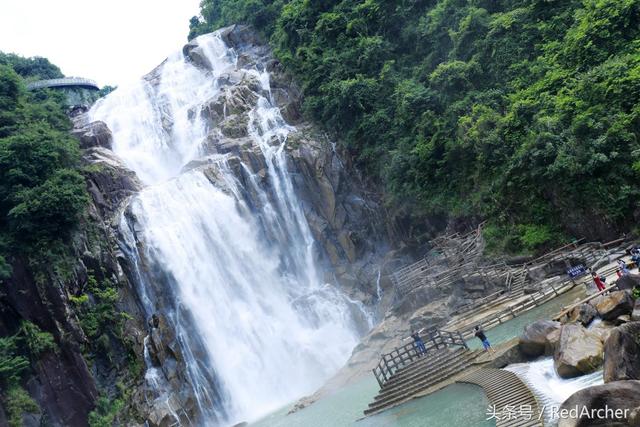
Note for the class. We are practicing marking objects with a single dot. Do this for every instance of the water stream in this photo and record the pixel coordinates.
(230, 263)
(549, 388)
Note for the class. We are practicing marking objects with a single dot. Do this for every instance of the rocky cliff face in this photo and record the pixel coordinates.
(344, 216)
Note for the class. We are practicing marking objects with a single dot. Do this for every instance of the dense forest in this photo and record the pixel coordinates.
(524, 112)
(42, 194)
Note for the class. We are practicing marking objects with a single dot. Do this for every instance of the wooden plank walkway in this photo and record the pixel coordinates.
(514, 403)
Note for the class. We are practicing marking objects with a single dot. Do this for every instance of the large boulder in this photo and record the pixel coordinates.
(603, 405)
(616, 304)
(579, 351)
(621, 353)
(635, 314)
(109, 181)
(628, 281)
(94, 134)
(584, 314)
(539, 338)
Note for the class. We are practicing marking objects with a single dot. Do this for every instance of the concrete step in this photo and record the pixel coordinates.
(419, 374)
(505, 388)
(424, 363)
(406, 394)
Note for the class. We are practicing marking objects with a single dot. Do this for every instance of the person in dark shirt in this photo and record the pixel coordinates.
(417, 341)
(482, 337)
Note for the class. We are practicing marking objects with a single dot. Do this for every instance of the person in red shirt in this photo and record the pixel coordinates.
(598, 281)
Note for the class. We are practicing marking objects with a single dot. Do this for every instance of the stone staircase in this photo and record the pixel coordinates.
(424, 373)
(505, 390)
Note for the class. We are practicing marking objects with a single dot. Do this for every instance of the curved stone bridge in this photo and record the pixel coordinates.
(66, 82)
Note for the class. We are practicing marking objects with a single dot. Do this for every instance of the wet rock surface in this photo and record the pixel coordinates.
(579, 351)
(583, 314)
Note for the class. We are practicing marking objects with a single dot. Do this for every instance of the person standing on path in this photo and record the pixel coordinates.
(623, 267)
(482, 337)
(598, 281)
(417, 341)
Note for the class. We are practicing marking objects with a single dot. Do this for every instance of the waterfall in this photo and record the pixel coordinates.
(225, 255)
(549, 388)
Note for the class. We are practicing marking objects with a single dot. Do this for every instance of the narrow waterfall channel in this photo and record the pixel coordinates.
(549, 388)
(225, 255)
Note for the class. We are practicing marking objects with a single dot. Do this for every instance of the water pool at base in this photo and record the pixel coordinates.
(514, 327)
(456, 405)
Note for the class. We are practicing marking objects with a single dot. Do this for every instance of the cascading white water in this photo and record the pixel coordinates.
(254, 318)
(550, 389)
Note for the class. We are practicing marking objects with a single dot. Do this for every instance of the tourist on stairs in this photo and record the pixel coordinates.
(623, 267)
(417, 341)
(482, 337)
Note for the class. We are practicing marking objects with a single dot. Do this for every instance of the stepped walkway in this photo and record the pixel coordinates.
(421, 376)
(512, 402)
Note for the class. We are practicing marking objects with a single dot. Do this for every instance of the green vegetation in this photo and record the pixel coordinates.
(13, 364)
(105, 412)
(36, 340)
(36, 68)
(526, 112)
(18, 402)
(42, 194)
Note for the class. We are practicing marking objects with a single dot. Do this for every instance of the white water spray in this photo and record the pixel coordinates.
(237, 280)
(550, 389)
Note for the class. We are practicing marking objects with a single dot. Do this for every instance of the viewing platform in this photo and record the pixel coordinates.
(66, 82)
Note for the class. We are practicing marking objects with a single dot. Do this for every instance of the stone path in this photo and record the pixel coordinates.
(512, 402)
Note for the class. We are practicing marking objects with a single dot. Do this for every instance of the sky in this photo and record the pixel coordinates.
(110, 41)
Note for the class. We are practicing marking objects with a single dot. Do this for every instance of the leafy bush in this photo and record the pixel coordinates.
(17, 402)
(105, 412)
(12, 365)
(36, 340)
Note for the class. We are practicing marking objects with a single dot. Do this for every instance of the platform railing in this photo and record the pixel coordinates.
(400, 357)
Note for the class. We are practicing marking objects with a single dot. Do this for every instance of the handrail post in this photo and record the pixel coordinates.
(380, 383)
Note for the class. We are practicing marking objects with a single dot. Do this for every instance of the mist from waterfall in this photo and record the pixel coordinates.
(238, 280)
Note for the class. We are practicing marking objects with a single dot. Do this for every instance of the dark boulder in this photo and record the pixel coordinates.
(621, 353)
(535, 341)
(635, 314)
(619, 398)
(193, 52)
(629, 281)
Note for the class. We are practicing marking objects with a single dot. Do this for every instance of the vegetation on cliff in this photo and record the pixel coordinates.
(523, 111)
(47, 237)
(42, 193)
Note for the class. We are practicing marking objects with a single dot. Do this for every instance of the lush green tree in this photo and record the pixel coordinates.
(522, 111)
(42, 194)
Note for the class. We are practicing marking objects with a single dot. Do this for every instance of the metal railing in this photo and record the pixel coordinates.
(400, 357)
